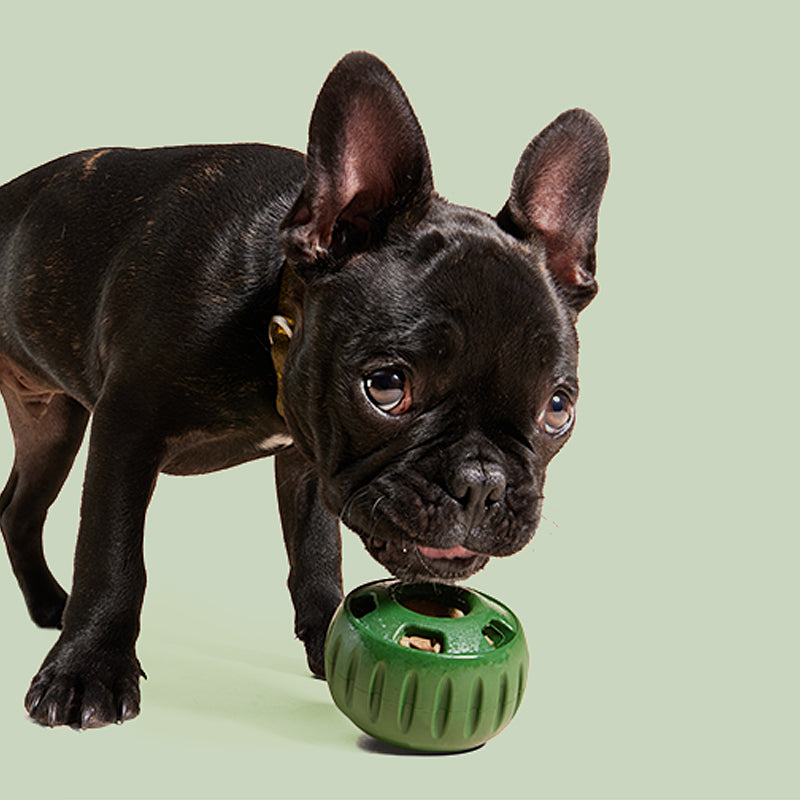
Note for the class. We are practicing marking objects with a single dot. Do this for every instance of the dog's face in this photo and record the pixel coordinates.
(432, 374)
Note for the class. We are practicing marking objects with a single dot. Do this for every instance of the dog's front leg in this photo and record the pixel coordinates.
(313, 544)
(91, 676)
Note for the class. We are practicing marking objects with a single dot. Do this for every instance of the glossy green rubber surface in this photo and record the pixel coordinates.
(450, 700)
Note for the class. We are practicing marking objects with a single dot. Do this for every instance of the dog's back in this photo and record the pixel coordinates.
(99, 241)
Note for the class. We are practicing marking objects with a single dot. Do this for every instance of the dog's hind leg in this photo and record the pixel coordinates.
(46, 439)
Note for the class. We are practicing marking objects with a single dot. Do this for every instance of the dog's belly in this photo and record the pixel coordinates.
(200, 452)
(29, 391)
(191, 453)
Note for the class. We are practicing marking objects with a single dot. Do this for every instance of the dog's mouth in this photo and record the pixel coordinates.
(453, 554)
(419, 532)
(415, 562)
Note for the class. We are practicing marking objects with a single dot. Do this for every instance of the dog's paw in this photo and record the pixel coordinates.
(84, 688)
(315, 652)
(313, 638)
(312, 628)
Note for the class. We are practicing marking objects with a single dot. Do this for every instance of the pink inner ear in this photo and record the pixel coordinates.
(549, 194)
(551, 207)
(372, 147)
(363, 181)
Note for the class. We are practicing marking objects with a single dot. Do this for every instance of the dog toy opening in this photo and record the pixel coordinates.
(431, 608)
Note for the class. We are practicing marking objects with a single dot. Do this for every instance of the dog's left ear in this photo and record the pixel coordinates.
(555, 198)
(367, 162)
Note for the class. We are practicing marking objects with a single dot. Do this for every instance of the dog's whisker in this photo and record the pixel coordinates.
(373, 521)
(350, 502)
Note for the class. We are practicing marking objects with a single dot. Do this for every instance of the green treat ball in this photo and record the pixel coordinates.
(426, 666)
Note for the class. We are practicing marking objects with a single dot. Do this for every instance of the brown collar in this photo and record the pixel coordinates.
(281, 330)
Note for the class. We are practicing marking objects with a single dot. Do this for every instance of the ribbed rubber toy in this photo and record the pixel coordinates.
(455, 694)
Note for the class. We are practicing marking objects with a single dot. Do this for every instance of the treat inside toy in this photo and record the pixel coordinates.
(497, 633)
(426, 642)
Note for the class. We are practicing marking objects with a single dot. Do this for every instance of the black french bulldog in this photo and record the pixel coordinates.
(410, 363)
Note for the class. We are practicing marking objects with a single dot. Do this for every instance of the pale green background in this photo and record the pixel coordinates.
(660, 595)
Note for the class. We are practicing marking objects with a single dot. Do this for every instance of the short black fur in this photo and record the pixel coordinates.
(137, 287)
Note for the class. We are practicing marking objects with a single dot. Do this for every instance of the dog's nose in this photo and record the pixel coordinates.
(477, 486)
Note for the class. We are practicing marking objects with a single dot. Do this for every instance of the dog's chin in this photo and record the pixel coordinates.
(412, 563)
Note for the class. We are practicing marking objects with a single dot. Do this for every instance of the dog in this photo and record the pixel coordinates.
(410, 364)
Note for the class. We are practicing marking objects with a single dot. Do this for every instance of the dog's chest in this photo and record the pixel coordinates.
(221, 421)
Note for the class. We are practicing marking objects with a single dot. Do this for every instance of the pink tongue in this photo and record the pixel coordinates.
(453, 552)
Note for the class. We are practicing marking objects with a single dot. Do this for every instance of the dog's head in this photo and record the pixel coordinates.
(432, 372)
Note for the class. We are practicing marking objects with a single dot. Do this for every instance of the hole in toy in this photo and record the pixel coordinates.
(431, 608)
(362, 604)
(497, 633)
(422, 640)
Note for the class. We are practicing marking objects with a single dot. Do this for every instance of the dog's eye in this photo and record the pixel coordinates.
(388, 389)
(558, 415)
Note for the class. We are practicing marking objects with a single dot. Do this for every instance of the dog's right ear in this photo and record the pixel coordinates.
(367, 162)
